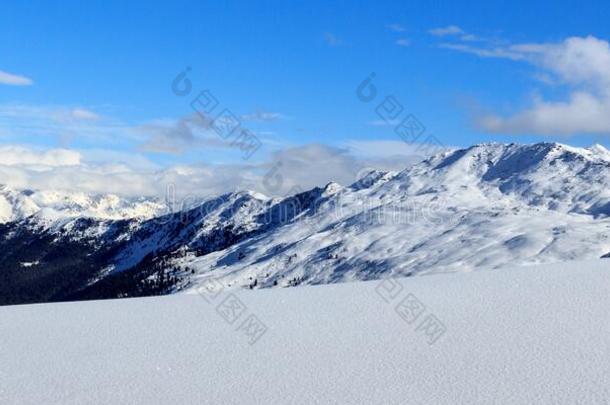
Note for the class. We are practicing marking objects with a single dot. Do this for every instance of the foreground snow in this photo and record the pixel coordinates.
(529, 335)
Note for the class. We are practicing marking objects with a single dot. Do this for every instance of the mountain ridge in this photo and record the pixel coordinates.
(489, 205)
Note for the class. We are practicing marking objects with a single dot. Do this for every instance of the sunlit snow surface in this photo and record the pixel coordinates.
(515, 336)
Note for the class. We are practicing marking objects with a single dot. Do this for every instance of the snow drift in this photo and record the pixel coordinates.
(519, 336)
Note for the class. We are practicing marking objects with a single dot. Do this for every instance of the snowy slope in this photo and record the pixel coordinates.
(522, 336)
(490, 205)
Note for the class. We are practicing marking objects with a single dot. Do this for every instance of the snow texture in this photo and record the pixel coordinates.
(538, 334)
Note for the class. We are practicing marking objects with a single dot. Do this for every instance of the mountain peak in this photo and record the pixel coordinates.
(331, 188)
(521, 155)
(600, 151)
(596, 147)
(251, 194)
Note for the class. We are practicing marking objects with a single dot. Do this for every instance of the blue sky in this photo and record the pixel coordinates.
(96, 77)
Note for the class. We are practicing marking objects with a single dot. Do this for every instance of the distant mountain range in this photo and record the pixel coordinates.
(49, 206)
(484, 207)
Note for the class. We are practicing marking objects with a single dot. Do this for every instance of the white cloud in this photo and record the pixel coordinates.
(308, 166)
(396, 27)
(332, 39)
(582, 113)
(576, 60)
(446, 31)
(403, 42)
(469, 37)
(504, 53)
(83, 114)
(25, 167)
(91, 179)
(283, 172)
(59, 114)
(392, 155)
(13, 155)
(384, 123)
(176, 136)
(63, 123)
(14, 80)
(262, 116)
(385, 148)
(100, 156)
(581, 64)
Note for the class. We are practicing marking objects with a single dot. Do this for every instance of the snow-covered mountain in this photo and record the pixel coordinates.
(490, 205)
(51, 206)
